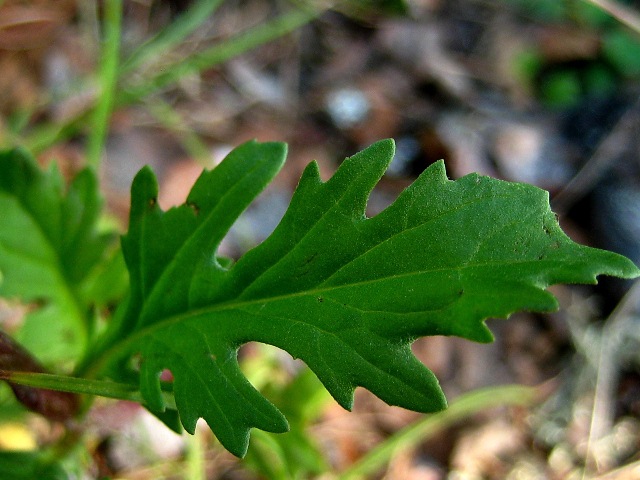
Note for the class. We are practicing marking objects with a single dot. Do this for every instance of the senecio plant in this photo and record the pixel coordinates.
(345, 293)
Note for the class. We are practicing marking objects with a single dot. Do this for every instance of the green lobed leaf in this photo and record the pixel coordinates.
(345, 293)
(48, 247)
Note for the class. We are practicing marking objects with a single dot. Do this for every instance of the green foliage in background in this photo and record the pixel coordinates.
(52, 253)
(28, 465)
(562, 84)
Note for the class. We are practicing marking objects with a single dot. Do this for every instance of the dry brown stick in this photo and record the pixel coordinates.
(602, 415)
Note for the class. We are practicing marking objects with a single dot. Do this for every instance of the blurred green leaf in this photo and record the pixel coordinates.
(29, 466)
(561, 88)
(590, 15)
(302, 401)
(49, 248)
(622, 49)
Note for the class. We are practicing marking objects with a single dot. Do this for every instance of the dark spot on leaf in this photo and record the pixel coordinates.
(310, 258)
(320, 299)
(152, 202)
(194, 207)
(40, 302)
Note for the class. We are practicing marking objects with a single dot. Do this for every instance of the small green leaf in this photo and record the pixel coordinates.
(345, 293)
(48, 247)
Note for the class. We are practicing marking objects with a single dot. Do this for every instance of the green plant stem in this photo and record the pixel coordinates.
(43, 137)
(63, 383)
(223, 51)
(411, 436)
(195, 458)
(172, 35)
(173, 121)
(108, 81)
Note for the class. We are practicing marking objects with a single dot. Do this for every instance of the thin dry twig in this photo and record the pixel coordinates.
(602, 414)
(628, 472)
(605, 155)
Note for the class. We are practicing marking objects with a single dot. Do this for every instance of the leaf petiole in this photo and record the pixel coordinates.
(103, 388)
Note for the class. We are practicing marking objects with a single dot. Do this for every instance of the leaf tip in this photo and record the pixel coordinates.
(311, 174)
(602, 262)
(343, 396)
(438, 169)
(628, 271)
(144, 189)
(276, 152)
(383, 150)
(387, 144)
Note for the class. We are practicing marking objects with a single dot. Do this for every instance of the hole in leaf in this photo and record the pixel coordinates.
(166, 375)
(266, 366)
(256, 223)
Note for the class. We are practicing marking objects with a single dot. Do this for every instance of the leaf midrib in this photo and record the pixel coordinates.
(122, 346)
(373, 247)
(234, 304)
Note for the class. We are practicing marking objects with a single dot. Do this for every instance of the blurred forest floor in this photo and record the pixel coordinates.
(544, 92)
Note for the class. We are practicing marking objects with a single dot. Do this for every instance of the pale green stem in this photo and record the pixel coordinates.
(172, 35)
(223, 51)
(84, 386)
(108, 80)
(420, 431)
(195, 458)
(43, 137)
(172, 120)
